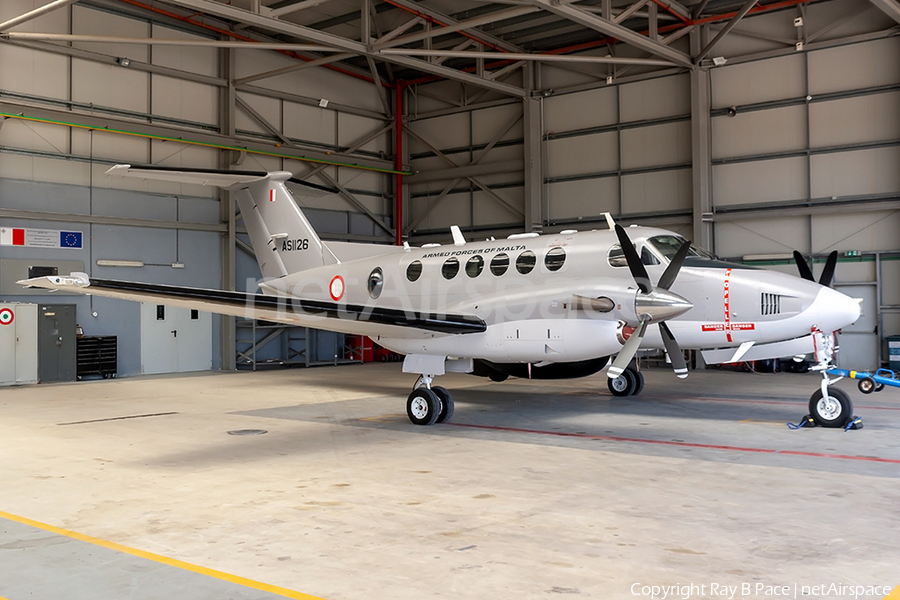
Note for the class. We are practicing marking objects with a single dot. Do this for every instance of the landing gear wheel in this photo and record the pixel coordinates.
(446, 404)
(638, 380)
(498, 376)
(623, 385)
(423, 407)
(833, 410)
(866, 385)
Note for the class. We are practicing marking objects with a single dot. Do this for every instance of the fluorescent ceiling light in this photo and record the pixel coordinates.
(750, 257)
(103, 262)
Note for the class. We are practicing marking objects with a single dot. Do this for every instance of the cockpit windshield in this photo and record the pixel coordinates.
(668, 245)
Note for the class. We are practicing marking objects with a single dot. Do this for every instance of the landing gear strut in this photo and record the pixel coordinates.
(629, 383)
(427, 405)
(828, 406)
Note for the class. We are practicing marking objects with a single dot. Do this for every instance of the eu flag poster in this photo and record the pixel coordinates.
(70, 239)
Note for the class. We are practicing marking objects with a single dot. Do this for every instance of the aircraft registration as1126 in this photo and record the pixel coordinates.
(539, 306)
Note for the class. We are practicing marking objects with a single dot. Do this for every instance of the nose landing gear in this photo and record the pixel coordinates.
(828, 406)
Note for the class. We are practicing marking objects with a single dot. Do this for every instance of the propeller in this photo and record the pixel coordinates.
(827, 273)
(652, 305)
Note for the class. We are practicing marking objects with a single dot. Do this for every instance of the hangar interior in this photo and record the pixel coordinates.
(785, 138)
(752, 128)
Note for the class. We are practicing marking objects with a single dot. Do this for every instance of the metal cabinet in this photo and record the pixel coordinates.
(97, 355)
(56, 342)
(18, 343)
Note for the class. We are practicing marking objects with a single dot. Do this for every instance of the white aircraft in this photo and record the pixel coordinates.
(539, 306)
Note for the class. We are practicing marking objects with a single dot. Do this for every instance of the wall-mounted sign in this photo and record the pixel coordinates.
(41, 238)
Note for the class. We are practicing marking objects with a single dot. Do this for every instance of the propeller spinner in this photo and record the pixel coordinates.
(652, 306)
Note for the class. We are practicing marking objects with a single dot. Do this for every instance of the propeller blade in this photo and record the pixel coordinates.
(828, 271)
(638, 272)
(805, 273)
(627, 352)
(671, 272)
(674, 351)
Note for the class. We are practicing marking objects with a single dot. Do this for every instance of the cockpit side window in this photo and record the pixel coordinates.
(647, 257)
(617, 257)
(668, 245)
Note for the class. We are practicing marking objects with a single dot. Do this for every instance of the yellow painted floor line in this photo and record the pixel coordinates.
(172, 562)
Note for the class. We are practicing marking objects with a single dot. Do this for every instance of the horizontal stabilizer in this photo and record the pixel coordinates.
(224, 178)
(333, 316)
(196, 176)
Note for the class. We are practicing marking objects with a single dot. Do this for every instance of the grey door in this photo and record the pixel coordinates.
(859, 341)
(56, 342)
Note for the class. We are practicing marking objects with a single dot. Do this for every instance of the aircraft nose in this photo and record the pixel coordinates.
(836, 310)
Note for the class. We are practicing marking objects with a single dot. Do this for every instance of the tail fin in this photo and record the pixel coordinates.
(282, 237)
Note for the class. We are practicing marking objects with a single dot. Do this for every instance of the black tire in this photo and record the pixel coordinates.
(447, 404)
(498, 376)
(638, 381)
(623, 385)
(879, 387)
(832, 412)
(866, 385)
(383, 358)
(423, 407)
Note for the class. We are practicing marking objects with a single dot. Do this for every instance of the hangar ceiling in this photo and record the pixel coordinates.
(478, 43)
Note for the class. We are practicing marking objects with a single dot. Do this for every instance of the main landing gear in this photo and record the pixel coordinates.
(629, 383)
(429, 404)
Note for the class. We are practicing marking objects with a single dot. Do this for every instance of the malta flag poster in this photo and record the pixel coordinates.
(41, 238)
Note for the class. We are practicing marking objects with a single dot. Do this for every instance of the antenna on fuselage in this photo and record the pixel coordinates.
(610, 222)
(458, 239)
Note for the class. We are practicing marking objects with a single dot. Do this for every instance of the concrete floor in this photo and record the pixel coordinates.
(536, 490)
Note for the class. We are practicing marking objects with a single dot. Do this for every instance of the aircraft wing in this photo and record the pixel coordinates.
(332, 316)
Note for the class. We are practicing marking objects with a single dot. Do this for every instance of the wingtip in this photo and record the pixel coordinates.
(117, 169)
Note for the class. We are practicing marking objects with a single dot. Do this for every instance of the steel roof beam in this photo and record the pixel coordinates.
(616, 60)
(493, 17)
(615, 30)
(725, 30)
(418, 9)
(34, 14)
(889, 7)
(327, 39)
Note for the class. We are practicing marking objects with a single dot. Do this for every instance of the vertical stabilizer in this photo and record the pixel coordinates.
(282, 237)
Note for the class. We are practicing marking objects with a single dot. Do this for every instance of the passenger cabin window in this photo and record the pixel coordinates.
(499, 264)
(555, 259)
(376, 282)
(526, 261)
(616, 257)
(414, 270)
(450, 268)
(474, 266)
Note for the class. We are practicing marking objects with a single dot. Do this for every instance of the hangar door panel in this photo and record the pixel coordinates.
(859, 342)
(175, 340)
